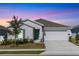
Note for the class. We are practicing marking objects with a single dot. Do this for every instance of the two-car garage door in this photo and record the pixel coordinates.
(56, 35)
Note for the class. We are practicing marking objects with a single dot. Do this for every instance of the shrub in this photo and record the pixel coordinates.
(25, 40)
(6, 42)
(31, 41)
(70, 37)
(19, 41)
(77, 37)
(13, 41)
(3, 43)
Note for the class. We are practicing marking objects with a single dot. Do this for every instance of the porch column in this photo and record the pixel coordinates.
(42, 40)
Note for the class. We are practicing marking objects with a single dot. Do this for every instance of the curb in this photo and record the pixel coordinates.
(22, 49)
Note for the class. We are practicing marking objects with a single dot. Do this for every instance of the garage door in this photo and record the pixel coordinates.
(56, 35)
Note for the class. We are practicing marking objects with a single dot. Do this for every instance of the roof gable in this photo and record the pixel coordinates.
(49, 23)
(34, 22)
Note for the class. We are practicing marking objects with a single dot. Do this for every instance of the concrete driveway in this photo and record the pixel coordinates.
(60, 47)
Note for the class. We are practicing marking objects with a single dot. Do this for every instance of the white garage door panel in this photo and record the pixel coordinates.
(56, 35)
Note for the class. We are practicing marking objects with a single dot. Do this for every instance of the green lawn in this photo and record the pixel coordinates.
(74, 41)
(21, 52)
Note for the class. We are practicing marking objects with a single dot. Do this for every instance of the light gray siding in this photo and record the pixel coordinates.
(36, 26)
(28, 32)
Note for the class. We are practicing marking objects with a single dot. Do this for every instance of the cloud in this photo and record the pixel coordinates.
(4, 22)
(33, 16)
(62, 13)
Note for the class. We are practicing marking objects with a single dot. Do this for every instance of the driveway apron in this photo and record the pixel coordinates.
(60, 47)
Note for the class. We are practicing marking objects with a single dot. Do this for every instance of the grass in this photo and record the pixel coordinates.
(74, 41)
(21, 52)
(24, 46)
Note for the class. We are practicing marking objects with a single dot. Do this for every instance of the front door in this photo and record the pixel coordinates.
(36, 34)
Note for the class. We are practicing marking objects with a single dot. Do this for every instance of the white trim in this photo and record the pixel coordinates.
(35, 22)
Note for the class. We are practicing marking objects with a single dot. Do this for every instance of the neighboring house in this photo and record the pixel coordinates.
(55, 31)
(3, 33)
(75, 30)
(30, 30)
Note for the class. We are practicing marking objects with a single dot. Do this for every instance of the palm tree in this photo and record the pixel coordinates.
(15, 24)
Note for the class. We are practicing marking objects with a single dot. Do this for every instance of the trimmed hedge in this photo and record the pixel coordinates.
(17, 42)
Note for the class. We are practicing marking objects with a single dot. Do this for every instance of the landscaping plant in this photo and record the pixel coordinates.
(70, 37)
(16, 24)
(77, 37)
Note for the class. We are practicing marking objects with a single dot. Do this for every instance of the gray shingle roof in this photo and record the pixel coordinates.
(50, 23)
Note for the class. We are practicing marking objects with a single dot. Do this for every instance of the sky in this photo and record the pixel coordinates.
(63, 13)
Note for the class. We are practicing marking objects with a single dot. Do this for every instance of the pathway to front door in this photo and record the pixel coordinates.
(60, 47)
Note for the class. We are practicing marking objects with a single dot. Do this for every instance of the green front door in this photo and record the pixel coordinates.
(36, 34)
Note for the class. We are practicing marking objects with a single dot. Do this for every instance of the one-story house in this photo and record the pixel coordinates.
(55, 31)
(40, 30)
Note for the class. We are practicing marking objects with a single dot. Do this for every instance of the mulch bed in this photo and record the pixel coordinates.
(24, 46)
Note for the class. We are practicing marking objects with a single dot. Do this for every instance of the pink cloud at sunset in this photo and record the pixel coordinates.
(48, 14)
(60, 13)
(3, 22)
(33, 16)
(66, 12)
